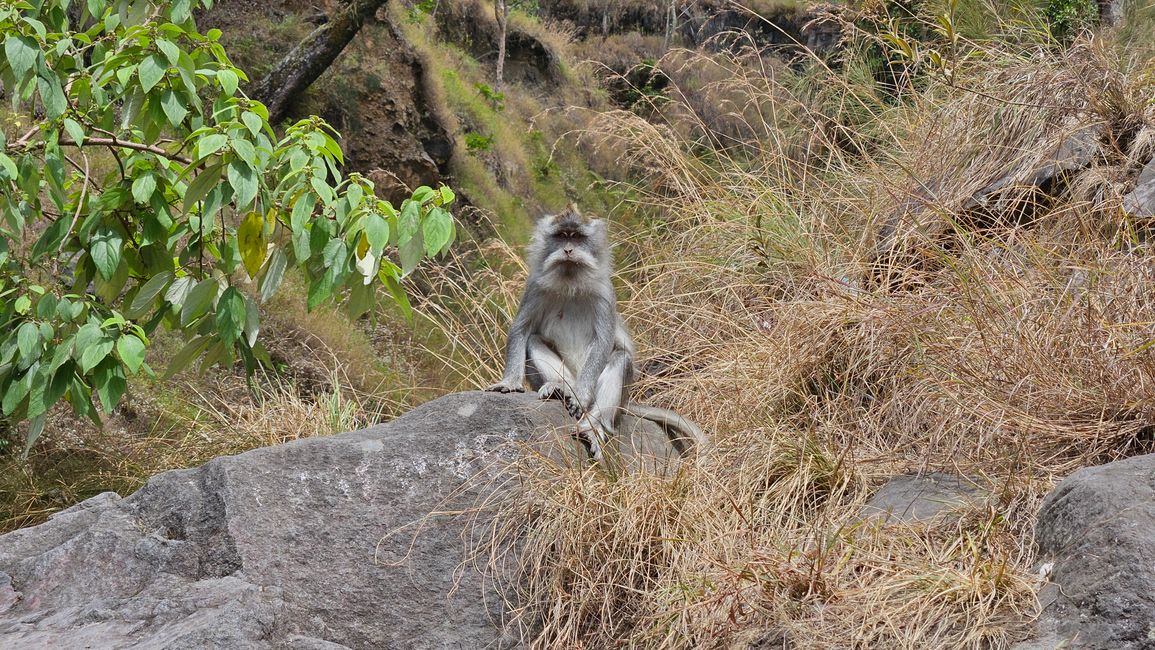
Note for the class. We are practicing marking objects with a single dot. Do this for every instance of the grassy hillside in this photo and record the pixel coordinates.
(840, 265)
(803, 251)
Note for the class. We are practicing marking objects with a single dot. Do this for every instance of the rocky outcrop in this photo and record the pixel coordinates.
(917, 498)
(319, 543)
(1140, 202)
(382, 104)
(1096, 538)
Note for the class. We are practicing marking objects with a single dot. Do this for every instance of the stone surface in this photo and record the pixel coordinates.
(1140, 202)
(318, 544)
(913, 498)
(1096, 538)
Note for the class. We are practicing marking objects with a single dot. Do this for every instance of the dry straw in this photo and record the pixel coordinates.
(1010, 343)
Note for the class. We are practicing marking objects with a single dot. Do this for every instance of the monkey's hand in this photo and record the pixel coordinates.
(506, 386)
(552, 390)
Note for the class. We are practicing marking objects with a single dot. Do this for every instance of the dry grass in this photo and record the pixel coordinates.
(1013, 345)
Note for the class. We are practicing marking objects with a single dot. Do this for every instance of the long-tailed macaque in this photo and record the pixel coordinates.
(568, 338)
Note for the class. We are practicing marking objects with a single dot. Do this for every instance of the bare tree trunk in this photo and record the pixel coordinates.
(502, 13)
(311, 57)
(671, 17)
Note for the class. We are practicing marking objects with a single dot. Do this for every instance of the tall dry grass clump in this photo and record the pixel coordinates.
(841, 287)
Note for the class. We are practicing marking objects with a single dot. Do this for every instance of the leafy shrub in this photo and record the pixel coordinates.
(478, 142)
(1069, 17)
(147, 193)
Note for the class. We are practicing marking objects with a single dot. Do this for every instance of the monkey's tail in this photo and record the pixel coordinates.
(686, 436)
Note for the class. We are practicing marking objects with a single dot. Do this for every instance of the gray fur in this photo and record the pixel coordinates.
(568, 339)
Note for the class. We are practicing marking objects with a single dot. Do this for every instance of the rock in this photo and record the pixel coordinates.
(1140, 202)
(1096, 535)
(915, 498)
(320, 543)
(1072, 153)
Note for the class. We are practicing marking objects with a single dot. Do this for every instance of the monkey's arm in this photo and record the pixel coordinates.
(513, 378)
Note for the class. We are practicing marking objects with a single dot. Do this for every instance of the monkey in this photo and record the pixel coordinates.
(569, 340)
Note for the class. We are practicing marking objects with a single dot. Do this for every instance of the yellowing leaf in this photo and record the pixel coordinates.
(251, 239)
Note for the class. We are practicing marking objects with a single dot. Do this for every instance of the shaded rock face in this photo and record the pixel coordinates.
(473, 26)
(914, 498)
(1096, 535)
(318, 543)
(386, 115)
(381, 105)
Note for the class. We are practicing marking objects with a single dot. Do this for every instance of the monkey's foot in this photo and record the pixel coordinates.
(506, 387)
(591, 438)
(573, 406)
(552, 390)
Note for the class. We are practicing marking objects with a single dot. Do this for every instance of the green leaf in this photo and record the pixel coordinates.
(131, 351)
(447, 196)
(143, 301)
(423, 194)
(229, 80)
(152, 69)
(302, 210)
(17, 391)
(274, 273)
(409, 223)
(211, 144)
(252, 322)
(198, 302)
(28, 341)
(75, 131)
(51, 238)
(22, 52)
(438, 230)
(410, 253)
(377, 231)
(174, 108)
(143, 187)
(189, 352)
(251, 240)
(254, 122)
(389, 275)
(231, 314)
(92, 354)
(202, 185)
(335, 253)
(319, 290)
(35, 428)
(170, 50)
(179, 290)
(244, 183)
(109, 382)
(105, 249)
(245, 151)
(53, 96)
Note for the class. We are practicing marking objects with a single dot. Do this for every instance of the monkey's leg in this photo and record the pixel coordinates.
(545, 370)
(600, 420)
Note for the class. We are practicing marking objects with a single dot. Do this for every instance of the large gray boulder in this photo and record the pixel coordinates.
(1096, 537)
(322, 543)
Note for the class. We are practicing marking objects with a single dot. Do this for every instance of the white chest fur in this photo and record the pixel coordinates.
(570, 331)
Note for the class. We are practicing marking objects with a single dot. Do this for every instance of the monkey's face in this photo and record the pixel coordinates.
(570, 252)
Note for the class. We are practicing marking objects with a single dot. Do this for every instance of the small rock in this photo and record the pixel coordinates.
(916, 498)
(1140, 202)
